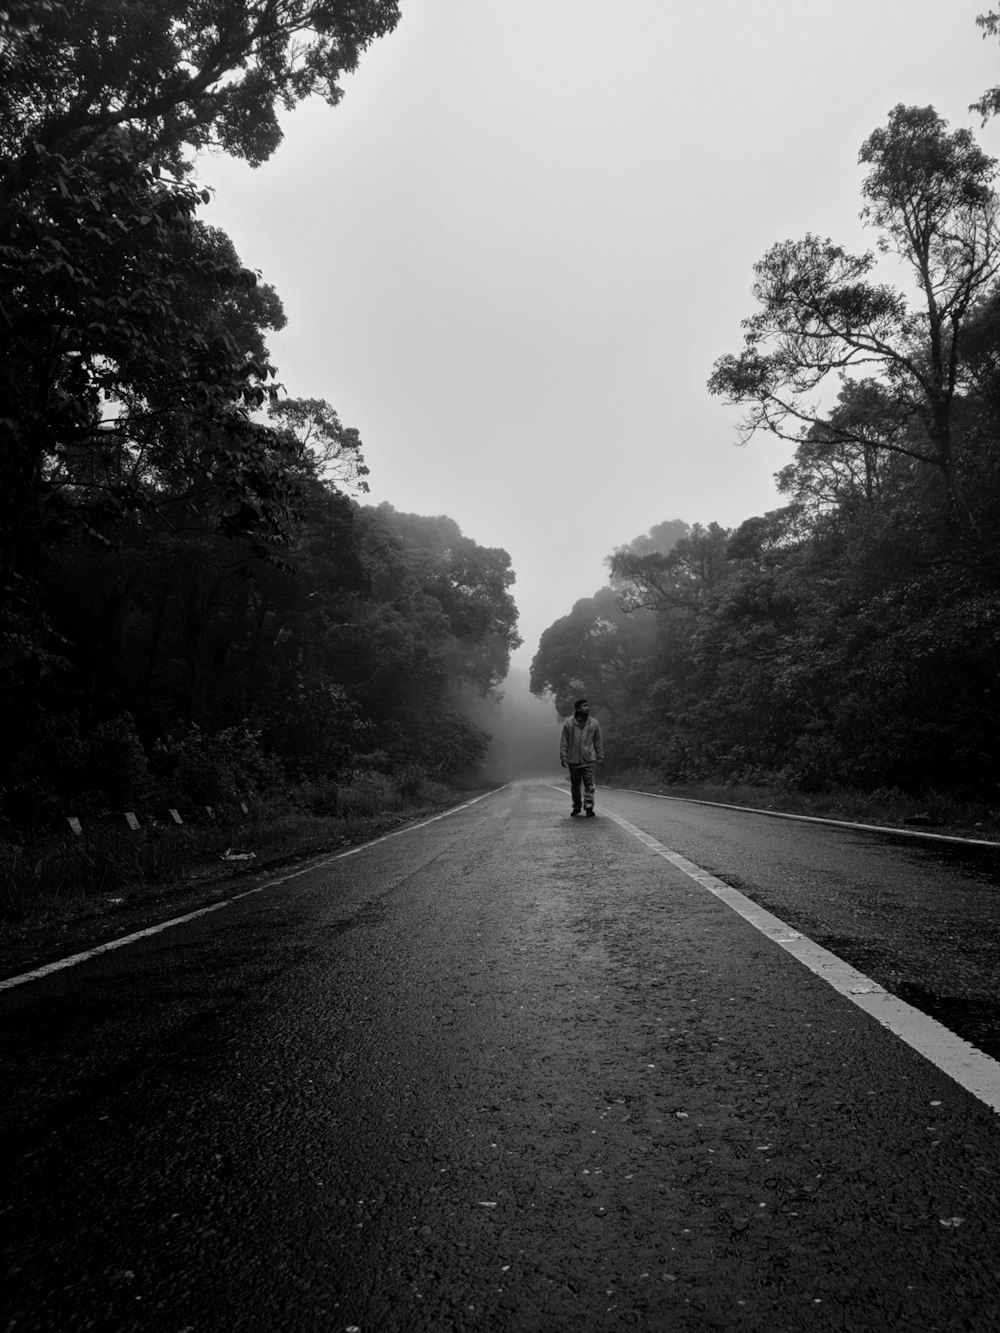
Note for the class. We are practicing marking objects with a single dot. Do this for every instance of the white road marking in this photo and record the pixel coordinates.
(815, 819)
(959, 1059)
(37, 973)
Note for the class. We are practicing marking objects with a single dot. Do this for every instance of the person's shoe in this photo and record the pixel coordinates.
(573, 812)
(589, 814)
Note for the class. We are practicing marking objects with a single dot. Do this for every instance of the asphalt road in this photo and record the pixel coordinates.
(515, 1071)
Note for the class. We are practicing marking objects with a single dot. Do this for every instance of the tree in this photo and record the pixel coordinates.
(146, 463)
(659, 540)
(929, 194)
(841, 461)
(128, 360)
(100, 100)
(175, 74)
(989, 104)
(678, 577)
(333, 450)
(470, 585)
(596, 650)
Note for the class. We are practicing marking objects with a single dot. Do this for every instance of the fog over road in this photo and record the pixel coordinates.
(508, 1070)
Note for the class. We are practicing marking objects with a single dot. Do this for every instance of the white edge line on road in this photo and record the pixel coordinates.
(814, 819)
(37, 973)
(959, 1059)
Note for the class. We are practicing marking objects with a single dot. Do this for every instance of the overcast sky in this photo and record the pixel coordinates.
(513, 252)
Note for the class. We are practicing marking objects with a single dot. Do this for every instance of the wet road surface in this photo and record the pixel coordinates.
(509, 1071)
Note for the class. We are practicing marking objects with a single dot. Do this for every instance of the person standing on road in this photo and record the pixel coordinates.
(580, 749)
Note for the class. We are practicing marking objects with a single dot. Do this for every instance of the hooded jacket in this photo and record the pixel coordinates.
(581, 745)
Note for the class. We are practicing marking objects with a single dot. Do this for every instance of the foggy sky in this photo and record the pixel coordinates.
(513, 252)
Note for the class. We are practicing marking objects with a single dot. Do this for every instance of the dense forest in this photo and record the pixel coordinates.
(851, 637)
(195, 607)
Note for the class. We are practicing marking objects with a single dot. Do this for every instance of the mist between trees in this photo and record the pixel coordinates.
(849, 638)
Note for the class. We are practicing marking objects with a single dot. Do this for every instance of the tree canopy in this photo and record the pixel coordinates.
(177, 75)
(850, 639)
(929, 195)
(187, 584)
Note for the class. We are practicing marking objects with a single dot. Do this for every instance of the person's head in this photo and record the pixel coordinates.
(581, 708)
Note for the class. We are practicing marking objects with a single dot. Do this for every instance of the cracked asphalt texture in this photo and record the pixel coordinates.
(511, 1071)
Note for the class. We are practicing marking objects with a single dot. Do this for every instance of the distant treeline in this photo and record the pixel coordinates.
(851, 637)
(189, 671)
(192, 605)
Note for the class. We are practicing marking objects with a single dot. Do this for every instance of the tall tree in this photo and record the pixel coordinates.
(677, 577)
(128, 357)
(471, 586)
(101, 104)
(596, 650)
(930, 196)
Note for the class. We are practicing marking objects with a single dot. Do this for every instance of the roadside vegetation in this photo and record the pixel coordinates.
(841, 652)
(198, 611)
(54, 877)
(933, 812)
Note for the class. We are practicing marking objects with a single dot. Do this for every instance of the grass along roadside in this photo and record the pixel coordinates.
(64, 894)
(935, 813)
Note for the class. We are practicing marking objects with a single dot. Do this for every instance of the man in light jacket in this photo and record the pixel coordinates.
(580, 748)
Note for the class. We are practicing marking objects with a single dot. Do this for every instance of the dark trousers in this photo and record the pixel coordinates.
(582, 775)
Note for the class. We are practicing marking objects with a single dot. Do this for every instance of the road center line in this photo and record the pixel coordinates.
(954, 1056)
(60, 964)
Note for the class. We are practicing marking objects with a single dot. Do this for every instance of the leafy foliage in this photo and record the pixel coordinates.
(186, 73)
(190, 601)
(596, 650)
(929, 194)
(852, 637)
